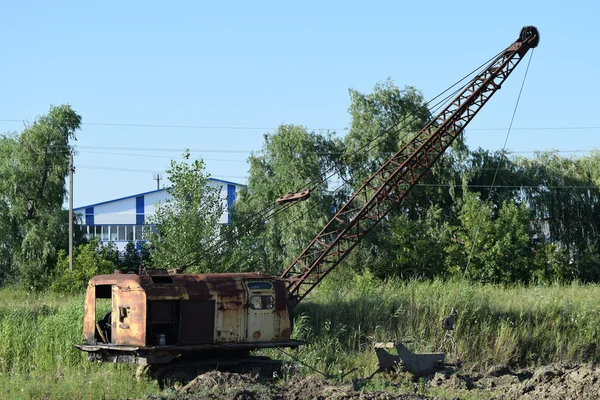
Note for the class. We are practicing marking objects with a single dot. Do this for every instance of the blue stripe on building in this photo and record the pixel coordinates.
(89, 216)
(139, 210)
(230, 200)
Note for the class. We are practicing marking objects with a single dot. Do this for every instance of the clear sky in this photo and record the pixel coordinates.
(212, 65)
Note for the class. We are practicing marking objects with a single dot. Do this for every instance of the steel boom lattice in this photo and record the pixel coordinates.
(387, 187)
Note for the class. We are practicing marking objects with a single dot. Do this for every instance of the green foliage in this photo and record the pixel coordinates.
(109, 251)
(188, 221)
(370, 142)
(145, 255)
(419, 246)
(382, 123)
(511, 219)
(491, 249)
(33, 168)
(291, 158)
(89, 260)
(132, 258)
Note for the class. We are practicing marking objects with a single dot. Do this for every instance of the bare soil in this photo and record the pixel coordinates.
(558, 381)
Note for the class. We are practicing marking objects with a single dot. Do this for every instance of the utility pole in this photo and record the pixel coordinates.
(157, 178)
(71, 170)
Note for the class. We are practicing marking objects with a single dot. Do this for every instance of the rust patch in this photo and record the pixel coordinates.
(89, 319)
(286, 333)
(197, 289)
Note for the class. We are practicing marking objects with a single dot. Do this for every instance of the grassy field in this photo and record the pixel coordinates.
(37, 357)
(523, 326)
(520, 326)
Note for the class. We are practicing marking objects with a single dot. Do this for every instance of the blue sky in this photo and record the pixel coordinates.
(260, 64)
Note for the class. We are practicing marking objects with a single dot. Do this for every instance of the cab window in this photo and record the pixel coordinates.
(261, 302)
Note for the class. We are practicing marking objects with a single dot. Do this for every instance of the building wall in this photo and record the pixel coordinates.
(122, 220)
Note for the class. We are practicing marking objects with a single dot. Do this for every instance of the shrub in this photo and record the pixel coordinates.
(88, 261)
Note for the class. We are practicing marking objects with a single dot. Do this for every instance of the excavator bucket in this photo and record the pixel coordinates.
(417, 364)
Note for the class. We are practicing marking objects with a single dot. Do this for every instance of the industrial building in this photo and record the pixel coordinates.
(122, 220)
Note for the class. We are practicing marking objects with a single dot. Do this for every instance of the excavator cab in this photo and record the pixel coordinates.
(157, 316)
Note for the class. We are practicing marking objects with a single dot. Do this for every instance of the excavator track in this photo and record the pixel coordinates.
(181, 371)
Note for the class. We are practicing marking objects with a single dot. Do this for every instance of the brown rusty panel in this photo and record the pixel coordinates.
(226, 287)
(129, 317)
(164, 292)
(280, 295)
(197, 322)
(89, 315)
(197, 289)
(282, 326)
(123, 280)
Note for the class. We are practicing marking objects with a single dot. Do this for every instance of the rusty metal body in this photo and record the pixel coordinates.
(157, 316)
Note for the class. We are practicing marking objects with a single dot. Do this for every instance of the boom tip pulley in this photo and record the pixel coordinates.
(531, 34)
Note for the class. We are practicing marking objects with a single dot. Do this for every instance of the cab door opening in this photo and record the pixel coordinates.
(103, 314)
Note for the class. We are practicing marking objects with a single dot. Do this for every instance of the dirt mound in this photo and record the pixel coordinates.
(558, 381)
(228, 386)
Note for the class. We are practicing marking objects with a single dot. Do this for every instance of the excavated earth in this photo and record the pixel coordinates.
(558, 381)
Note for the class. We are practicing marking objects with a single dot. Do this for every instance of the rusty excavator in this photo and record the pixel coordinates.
(160, 317)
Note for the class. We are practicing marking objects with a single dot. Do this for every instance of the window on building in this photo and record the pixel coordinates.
(129, 232)
(113, 233)
(121, 232)
(138, 232)
(96, 230)
(104, 235)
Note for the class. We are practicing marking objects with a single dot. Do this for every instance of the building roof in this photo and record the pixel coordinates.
(151, 191)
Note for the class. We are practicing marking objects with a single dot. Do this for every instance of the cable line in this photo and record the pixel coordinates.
(476, 234)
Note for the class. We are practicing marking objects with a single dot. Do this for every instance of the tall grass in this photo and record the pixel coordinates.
(519, 326)
(38, 359)
(341, 319)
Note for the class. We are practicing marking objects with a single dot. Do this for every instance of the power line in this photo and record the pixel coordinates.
(243, 127)
(157, 156)
(305, 153)
(177, 150)
(139, 125)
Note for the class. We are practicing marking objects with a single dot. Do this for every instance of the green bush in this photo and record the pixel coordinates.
(88, 261)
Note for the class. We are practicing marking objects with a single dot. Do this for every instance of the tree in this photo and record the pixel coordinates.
(132, 258)
(382, 123)
(33, 168)
(291, 159)
(488, 248)
(109, 251)
(186, 223)
(418, 246)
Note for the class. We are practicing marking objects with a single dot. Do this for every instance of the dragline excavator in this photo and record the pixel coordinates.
(158, 316)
